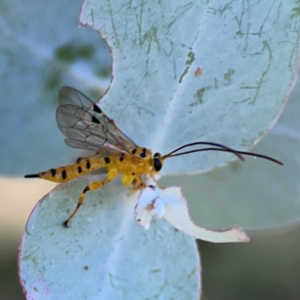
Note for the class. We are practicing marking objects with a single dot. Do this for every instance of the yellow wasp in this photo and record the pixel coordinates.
(87, 127)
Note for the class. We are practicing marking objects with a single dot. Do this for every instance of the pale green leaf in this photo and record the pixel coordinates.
(247, 53)
(182, 72)
(254, 194)
(104, 254)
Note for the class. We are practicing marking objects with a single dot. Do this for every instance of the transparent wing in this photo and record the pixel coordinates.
(86, 126)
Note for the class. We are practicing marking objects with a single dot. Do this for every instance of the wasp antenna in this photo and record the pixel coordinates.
(262, 156)
(239, 156)
(238, 153)
(220, 147)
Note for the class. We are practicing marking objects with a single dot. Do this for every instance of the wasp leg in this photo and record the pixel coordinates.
(138, 184)
(155, 181)
(112, 174)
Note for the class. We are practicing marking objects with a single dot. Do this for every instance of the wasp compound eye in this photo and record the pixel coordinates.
(157, 162)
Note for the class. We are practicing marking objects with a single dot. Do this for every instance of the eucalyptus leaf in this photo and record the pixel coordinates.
(254, 194)
(182, 72)
(104, 254)
(197, 71)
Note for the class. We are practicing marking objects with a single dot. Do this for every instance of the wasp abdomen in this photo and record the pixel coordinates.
(66, 173)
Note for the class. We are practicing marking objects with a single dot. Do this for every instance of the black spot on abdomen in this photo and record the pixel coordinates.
(53, 172)
(88, 164)
(64, 174)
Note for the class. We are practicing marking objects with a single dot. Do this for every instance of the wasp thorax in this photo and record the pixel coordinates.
(157, 162)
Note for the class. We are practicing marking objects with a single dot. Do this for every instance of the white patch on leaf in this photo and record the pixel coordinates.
(170, 204)
(148, 206)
